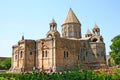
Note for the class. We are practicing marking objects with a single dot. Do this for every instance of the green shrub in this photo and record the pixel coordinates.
(74, 74)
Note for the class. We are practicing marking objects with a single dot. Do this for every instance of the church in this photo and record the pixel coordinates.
(60, 51)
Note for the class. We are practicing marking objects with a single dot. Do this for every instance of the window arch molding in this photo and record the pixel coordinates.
(21, 54)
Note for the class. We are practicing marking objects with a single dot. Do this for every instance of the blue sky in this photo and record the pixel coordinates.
(32, 17)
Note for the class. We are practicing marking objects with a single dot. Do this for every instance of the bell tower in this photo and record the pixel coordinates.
(96, 34)
(71, 27)
(96, 30)
(53, 25)
(53, 30)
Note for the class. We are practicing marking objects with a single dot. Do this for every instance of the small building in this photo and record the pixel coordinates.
(60, 51)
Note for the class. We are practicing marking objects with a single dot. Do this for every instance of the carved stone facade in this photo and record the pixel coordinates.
(60, 52)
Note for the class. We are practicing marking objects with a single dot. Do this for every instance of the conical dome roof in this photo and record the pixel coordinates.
(71, 18)
(52, 22)
(95, 26)
(88, 32)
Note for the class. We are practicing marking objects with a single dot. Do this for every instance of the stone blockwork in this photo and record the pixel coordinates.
(23, 55)
(56, 52)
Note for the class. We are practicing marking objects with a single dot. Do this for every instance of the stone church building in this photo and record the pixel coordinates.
(60, 51)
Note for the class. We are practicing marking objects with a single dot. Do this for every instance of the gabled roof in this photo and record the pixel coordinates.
(71, 18)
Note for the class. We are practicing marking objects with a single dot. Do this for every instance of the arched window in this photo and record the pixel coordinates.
(46, 53)
(15, 57)
(51, 28)
(65, 54)
(95, 40)
(21, 54)
(70, 34)
(49, 36)
(66, 34)
(75, 34)
(30, 53)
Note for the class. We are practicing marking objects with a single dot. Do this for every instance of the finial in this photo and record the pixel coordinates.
(23, 36)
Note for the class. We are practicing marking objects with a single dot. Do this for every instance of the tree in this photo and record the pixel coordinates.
(5, 64)
(1, 64)
(115, 49)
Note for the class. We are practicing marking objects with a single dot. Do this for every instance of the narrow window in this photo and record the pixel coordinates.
(51, 28)
(16, 57)
(66, 54)
(104, 57)
(30, 53)
(75, 34)
(21, 54)
(66, 34)
(86, 54)
(46, 54)
(70, 34)
(78, 57)
(84, 58)
(43, 54)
